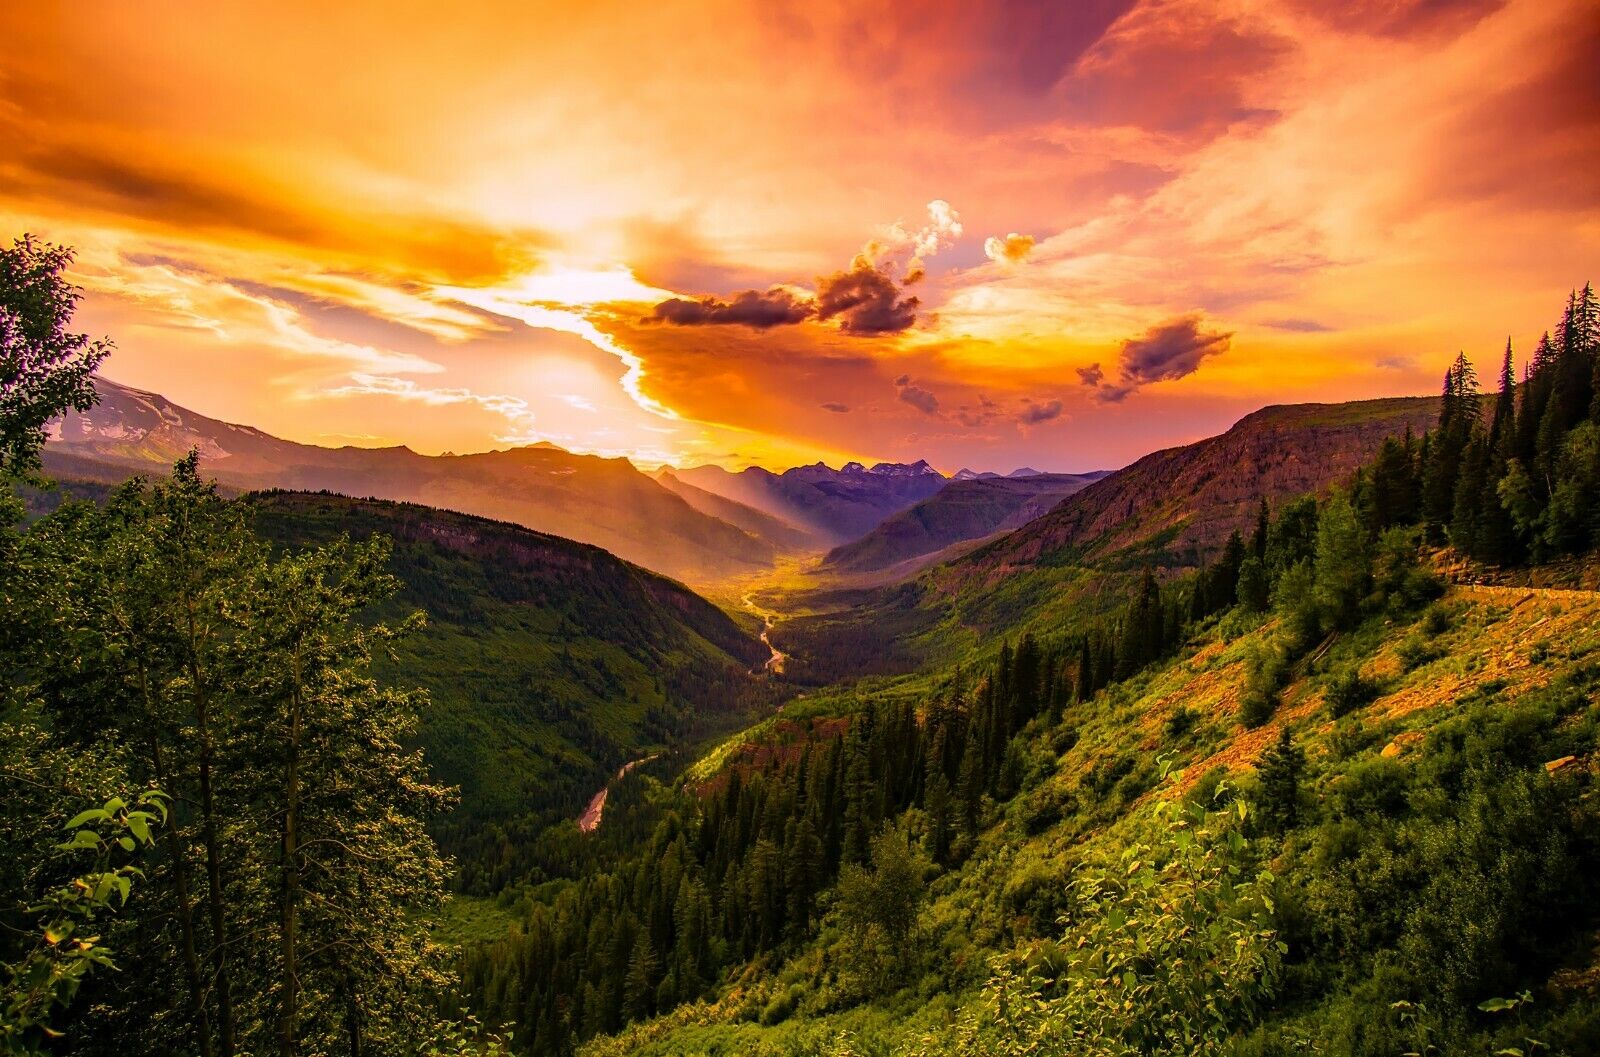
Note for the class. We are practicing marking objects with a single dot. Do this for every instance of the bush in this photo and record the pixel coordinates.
(1180, 721)
(1266, 674)
(1349, 690)
(1171, 950)
(1414, 652)
(1436, 620)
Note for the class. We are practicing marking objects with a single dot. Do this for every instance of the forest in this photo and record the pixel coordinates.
(221, 836)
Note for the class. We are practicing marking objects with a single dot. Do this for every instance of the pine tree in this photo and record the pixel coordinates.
(1279, 773)
(639, 985)
(1503, 427)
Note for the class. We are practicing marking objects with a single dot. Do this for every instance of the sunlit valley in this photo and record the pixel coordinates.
(997, 530)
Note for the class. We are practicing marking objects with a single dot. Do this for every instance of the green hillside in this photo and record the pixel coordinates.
(1425, 847)
(1298, 792)
(548, 663)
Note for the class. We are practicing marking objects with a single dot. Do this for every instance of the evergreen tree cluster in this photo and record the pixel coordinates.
(1515, 479)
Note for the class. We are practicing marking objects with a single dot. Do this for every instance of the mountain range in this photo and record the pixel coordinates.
(702, 525)
(968, 508)
(606, 502)
(834, 506)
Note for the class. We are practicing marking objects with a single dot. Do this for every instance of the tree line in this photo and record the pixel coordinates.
(748, 867)
(258, 869)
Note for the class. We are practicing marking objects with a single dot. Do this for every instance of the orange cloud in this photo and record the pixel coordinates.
(453, 243)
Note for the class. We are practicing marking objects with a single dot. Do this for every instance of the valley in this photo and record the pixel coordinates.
(1284, 740)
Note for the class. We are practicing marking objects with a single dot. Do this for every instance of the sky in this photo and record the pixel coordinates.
(985, 234)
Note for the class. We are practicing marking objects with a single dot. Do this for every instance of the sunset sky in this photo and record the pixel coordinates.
(987, 234)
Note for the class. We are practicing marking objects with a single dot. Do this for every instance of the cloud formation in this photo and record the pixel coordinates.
(1013, 249)
(916, 396)
(1033, 413)
(1164, 353)
(776, 307)
(836, 407)
(865, 300)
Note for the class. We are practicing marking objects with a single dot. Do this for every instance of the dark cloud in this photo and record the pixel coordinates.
(916, 396)
(1166, 352)
(865, 300)
(777, 307)
(1170, 350)
(836, 407)
(1034, 413)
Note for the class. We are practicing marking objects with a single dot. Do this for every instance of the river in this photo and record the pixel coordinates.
(774, 665)
(590, 819)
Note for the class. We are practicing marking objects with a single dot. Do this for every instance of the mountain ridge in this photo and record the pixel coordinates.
(606, 502)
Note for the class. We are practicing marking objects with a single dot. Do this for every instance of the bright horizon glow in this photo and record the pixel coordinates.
(1125, 224)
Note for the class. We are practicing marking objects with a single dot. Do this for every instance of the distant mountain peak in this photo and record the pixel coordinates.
(1025, 471)
(965, 474)
(901, 469)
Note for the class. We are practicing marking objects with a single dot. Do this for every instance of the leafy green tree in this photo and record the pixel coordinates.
(878, 905)
(1342, 570)
(1255, 589)
(64, 946)
(351, 865)
(45, 369)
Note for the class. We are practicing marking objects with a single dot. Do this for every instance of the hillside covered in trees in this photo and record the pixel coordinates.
(1281, 787)
(1306, 798)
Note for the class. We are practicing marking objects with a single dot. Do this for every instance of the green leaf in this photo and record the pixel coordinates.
(95, 814)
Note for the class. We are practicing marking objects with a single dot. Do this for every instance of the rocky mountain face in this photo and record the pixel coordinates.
(1186, 501)
(606, 502)
(966, 509)
(835, 506)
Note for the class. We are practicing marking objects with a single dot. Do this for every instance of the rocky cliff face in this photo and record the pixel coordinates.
(1185, 501)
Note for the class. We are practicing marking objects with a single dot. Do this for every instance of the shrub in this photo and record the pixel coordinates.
(1348, 690)
(1414, 652)
(1180, 721)
(1266, 674)
(1171, 951)
(1436, 620)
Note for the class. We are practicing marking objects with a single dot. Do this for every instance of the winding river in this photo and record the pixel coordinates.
(590, 819)
(774, 664)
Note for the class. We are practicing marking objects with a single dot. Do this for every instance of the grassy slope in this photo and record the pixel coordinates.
(1486, 656)
(549, 662)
